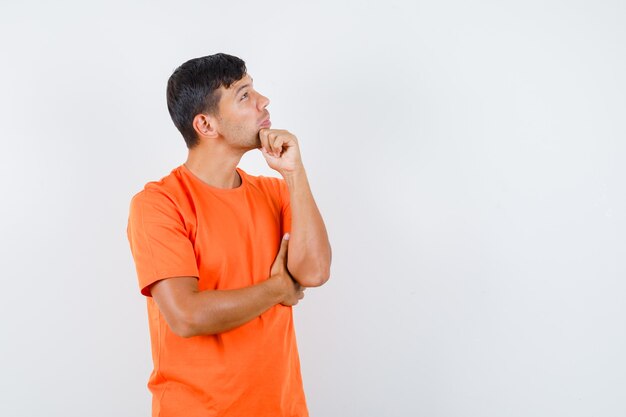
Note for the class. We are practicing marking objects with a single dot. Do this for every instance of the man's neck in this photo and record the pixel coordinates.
(215, 166)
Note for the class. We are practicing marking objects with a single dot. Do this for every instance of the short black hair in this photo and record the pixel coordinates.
(193, 89)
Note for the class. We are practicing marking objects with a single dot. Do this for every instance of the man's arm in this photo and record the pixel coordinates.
(309, 249)
(190, 312)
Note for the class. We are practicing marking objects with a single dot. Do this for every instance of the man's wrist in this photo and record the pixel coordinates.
(292, 177)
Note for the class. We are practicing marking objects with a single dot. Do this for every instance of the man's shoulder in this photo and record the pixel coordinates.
(168, 188)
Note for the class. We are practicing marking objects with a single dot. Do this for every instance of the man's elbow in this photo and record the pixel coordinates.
(317, 281)
(312, 270)
(311, 277)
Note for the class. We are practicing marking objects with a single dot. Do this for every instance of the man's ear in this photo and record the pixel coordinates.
(205, 125)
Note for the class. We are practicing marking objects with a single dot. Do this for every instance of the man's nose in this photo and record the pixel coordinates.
(263, 101)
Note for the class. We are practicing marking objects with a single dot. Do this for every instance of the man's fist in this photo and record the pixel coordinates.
(280, 149)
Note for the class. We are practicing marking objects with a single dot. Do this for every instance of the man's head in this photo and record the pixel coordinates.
(213, 95)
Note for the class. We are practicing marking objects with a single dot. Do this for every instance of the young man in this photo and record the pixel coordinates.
(222, 256)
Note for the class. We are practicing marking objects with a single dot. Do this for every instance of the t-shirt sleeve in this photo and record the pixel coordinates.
(285, 207)
(158, 240)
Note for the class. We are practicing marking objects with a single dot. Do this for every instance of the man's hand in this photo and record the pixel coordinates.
(280, 149)
(293, 292)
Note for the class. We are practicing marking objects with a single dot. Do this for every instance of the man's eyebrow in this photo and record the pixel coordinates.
(241, 87)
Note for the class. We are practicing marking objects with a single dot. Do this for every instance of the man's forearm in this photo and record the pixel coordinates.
(309, 249)
(222, 310)
(190, 312)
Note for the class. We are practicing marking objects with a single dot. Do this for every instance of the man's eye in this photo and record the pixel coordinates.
(244, 96)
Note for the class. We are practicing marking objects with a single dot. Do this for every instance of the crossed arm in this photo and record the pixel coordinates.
(302, 261)
(190, 312)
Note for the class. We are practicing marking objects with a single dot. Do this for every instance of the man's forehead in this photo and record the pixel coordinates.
(246, 79)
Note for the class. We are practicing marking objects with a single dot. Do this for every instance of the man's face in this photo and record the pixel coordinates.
(242, 113)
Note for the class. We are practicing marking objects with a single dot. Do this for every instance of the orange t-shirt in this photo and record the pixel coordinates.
(228, 238)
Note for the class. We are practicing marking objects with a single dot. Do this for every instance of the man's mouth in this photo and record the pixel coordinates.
(265, 123)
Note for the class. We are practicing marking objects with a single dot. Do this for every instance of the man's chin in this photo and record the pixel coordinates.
(253, 144)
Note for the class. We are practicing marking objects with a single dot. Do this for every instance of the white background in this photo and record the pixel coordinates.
(468, 158)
